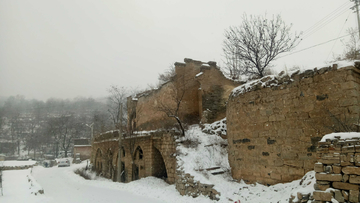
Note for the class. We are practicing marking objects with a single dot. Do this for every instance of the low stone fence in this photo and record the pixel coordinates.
(338, 170)
(186, 185)
(4, 168)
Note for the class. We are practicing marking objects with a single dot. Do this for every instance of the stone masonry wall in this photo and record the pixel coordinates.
(84, 151)
(338, 171)
(186, 185)
(275, 123)
(157, 157)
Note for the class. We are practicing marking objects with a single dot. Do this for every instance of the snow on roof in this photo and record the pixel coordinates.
(343, 136)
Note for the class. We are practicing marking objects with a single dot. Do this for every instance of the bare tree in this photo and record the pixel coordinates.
(117, 98)
(67, 128)
(352, 46)
(178, 86)
(167, 75)
(252, 46)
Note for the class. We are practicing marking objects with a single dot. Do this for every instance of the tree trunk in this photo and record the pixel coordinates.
(18, 142)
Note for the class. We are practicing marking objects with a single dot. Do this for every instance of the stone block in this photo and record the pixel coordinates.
(336, 169)
(348, 149)
(328, 177)
(322, 196)
(354, 196)
(351, 170)
(321, 182)
(339, 196)
(345, 178)
(330, 160)
(319, 167)
(354, 179)
(346, 163)
(321, 187)
(345, 186)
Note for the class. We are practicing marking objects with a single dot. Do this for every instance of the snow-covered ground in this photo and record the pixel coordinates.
(197, 150)
(20, 186)
(63, 185)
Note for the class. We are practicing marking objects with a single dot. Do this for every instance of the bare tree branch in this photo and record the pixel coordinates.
(250, 48)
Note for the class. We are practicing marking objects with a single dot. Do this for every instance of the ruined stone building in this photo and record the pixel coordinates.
(275, 123)
(205, 92)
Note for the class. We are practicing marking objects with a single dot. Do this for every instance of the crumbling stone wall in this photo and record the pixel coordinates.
(214, 89)
(207, 90)
(338, 170)
(274, 123)
(154, 157)
(186, 185)
(5, 168)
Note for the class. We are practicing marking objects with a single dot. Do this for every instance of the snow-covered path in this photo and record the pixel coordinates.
(61, 185)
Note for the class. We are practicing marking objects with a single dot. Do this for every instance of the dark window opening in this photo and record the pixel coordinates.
(139, 153)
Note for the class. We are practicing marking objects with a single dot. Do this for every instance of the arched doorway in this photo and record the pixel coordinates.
(159, 167)
(98, 161)
(138, 164)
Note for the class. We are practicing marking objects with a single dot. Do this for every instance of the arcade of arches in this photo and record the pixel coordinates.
(141, 156)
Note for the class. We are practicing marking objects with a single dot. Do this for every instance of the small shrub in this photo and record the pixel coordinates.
(82, 172)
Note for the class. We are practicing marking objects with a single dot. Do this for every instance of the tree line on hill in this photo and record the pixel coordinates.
(34, 128)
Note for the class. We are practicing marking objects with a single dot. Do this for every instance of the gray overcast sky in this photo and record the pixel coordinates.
(69, 48)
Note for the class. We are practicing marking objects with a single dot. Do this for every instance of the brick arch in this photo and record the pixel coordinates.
(159, 165)
(139, 163)
(166, 147)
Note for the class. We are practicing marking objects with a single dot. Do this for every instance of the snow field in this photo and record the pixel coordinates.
(20, 186)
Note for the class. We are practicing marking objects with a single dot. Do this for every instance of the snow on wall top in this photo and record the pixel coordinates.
(282, 78)
(197, 75)
(342, 136)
